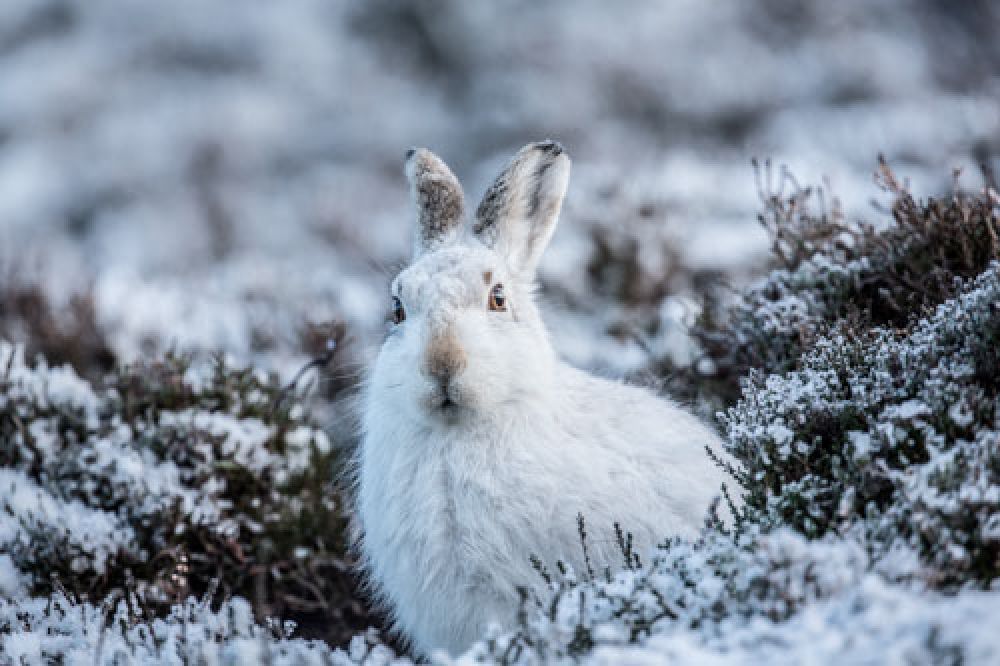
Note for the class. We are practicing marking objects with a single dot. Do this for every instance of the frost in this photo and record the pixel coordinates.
(878, 415)
(774, 601)
(62, 630)
(861, 442)
(11, 580)
(220, 190)
(28, 509)
(117, 490)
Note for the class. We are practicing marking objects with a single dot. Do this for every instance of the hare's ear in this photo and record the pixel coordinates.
(438, 197)
(519, 211)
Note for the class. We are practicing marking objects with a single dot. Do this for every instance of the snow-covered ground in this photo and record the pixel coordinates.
(218, 176)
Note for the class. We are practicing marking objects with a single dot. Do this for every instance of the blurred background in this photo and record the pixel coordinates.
(221, 176)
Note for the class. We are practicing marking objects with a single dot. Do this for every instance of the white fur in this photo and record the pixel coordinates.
(453, 502)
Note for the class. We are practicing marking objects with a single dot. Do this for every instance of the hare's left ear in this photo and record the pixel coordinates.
(438, 198)
(519, 212)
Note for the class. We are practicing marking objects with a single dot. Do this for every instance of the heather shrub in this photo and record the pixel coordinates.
(57, 629)
(772, 596)
(867, 363)
(174, 479)
(894, 434)
(862, 393)
(827, 269)
(67, 334)
(860, 387)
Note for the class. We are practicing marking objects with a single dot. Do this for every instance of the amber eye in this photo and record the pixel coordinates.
(498, 302)
(398, 313)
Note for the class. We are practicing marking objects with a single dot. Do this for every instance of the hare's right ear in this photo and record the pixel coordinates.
(519, 212)
(438, 197)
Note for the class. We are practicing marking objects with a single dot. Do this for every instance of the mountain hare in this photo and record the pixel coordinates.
(480, 447)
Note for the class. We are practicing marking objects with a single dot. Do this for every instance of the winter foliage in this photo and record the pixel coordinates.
(892, 434)
(872, 481)
(869, 468)
(195, 202)
(173, 480)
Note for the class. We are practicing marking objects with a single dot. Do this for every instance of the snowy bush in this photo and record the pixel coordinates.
(58, 630)
(828, 269)
(174, 479)
(871, 400)
(776, 598)
(142, 511)
(868, 441)
(895, 432)
(139, 513)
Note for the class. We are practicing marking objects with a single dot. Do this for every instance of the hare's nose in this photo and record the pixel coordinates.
(444, 358)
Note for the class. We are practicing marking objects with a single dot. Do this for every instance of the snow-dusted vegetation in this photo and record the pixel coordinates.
(172, 480)
(139, 517)
(196, 201)
(869, 456)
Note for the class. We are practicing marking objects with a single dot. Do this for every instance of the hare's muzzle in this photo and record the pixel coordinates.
(444, 359)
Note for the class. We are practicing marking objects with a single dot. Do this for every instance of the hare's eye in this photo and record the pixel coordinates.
(398, 313)
(498, 301)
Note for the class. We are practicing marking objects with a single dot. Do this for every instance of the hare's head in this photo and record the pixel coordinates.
(466, 337)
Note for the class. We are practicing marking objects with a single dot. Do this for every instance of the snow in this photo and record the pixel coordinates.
(845, 619)
(45, 385)
(217, 187)
(76, 633)
(816, 602)
(220, 180)
(11, 580)
(30, 511)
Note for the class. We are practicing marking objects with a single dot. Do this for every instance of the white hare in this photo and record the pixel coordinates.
(480, 447)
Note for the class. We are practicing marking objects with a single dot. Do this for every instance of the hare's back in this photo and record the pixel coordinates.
(651, 451)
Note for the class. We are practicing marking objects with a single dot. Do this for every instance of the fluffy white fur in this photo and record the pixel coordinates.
(455, 495)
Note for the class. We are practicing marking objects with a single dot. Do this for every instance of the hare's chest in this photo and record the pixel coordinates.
(452, 510)
(448, 501)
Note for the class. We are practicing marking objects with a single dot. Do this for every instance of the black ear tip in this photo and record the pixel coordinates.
(554, 148)
(410, 153)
